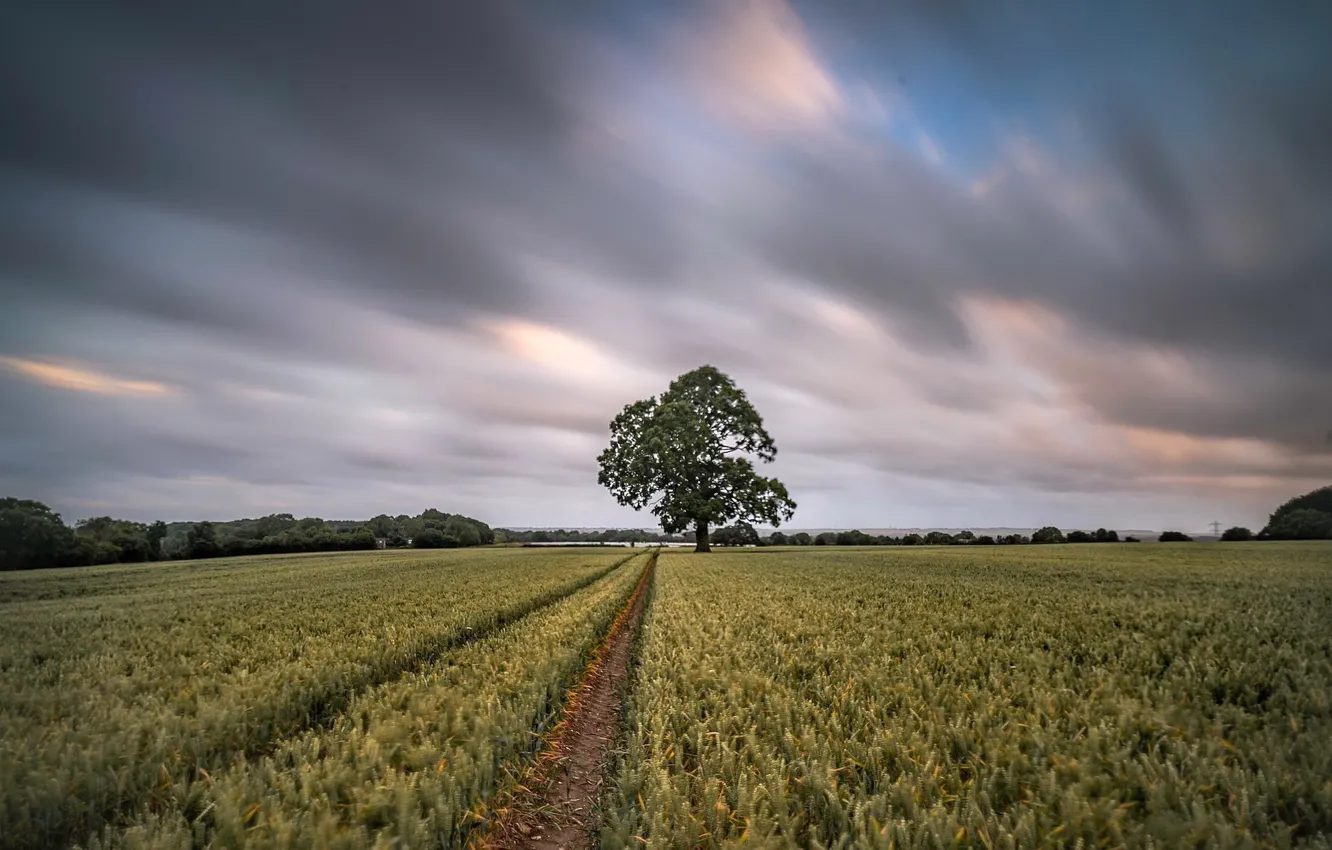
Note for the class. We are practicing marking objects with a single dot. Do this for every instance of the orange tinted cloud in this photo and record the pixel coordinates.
(758, 67)
(67, 376)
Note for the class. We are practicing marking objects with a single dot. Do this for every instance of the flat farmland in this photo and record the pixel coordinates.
(1026, 696)
(120, 684)
(1018, 696)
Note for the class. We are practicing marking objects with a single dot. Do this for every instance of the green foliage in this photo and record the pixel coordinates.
(156, 533)
(1301, 524)
(384, 526)
(283, 533)
(855, 537)
(1048, 534)
(1307, 517)
(1080, 537)
(461, 532)
(1025, 697)
(739, 534)
(429, 538)
(1236, 534)
(687, 457)
(1314, 500)
(1174, 537)
(31, 535)
(126, 542)
(201, 541)
(608, 535)
(119, 684)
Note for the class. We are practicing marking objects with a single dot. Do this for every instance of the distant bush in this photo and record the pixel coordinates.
(1174, 537)
(1131, 539)
(429, 538)
(1238, 533)
(1080, 537)
(739, 534)
(1049, 534)
(985, 540)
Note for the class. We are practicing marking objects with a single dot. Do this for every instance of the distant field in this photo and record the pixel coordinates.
(1061, 696)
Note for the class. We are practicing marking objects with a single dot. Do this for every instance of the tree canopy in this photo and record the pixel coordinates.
(1301, 524)
(740, 534)
(1048, 534)
(33, 536)
(1302, 518)
(687, 457)
(1314, 500)
(1174, 537)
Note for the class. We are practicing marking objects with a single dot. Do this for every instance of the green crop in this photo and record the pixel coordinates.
(412, 762)
(1151, 696)
(119, 684)
(997, 697)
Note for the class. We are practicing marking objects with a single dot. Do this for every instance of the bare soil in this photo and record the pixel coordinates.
(555, 803)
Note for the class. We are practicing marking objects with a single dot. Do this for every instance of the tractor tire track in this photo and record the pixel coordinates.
(555, 803)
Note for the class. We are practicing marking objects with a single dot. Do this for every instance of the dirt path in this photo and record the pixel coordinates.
(555, 804)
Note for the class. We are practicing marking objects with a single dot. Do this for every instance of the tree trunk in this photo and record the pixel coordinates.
(701, 537)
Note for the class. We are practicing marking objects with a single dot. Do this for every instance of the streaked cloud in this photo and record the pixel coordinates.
(81, 378)
(976, 265)
(929, 148)
(755, 65)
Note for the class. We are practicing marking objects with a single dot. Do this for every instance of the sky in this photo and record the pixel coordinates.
(976, 264)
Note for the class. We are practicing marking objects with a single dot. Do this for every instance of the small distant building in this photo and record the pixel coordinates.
(381, 542)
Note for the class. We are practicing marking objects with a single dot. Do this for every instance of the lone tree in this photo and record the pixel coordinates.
(685, 455)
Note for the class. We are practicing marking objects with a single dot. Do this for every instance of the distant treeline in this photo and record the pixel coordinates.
(1307, 517)
(744, 534)
(608, 535)
(280, 533)
(33, 536)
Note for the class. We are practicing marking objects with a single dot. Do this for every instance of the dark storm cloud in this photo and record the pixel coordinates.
(401, 153)
(304, 219)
